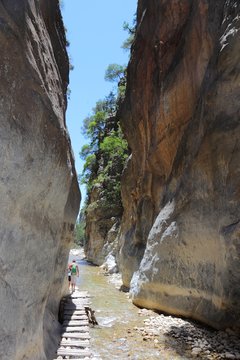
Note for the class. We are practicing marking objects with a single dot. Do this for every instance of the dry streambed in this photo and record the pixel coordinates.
(189, 337)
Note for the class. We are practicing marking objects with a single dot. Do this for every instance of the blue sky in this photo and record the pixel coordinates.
(95, 32)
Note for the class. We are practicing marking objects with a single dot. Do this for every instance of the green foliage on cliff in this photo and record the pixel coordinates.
(131, 34)
(106, 152)
(114, 72)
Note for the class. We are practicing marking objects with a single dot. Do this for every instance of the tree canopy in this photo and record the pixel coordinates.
(114, 72)
(131, 34)
(107, 147)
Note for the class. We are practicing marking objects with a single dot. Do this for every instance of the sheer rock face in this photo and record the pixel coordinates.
(38, 187)
(180, 235)
(102, 225)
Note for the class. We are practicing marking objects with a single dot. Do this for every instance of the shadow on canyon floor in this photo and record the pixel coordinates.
(203, 342)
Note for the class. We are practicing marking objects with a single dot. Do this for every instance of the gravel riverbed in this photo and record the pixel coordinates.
(188, 338)
(197, 340)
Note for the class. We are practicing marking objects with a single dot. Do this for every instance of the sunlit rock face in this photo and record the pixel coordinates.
(180, 236)
(38, 187)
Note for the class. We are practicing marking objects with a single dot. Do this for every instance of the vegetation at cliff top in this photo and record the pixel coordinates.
(107, 150)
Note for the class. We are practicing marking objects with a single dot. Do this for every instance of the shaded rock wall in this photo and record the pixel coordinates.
(180, 239)
(38, 187)
(104, 206)
(102, 226)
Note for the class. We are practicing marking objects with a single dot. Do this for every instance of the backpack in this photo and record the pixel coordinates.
(74, 269)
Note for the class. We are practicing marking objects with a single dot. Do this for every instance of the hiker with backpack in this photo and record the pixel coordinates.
(69, 276)
(74, 274)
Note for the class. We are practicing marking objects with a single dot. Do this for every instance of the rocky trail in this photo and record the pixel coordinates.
(189, 337)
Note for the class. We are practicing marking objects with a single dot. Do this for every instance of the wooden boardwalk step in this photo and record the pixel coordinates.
(76, 329)
(74, 342)
(75, 312)
(76, 303)
(77, 299)
(78, 358)
(74, 307)
(82, 358)
(79, 294)
(85, 298)
(75, 317)
(76, 335)
(75, 323)
(73, 352)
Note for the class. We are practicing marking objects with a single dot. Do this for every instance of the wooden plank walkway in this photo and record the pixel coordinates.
(75, 344)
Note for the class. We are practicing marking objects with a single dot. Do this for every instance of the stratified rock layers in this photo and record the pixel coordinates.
(38, 187)
(180, 235)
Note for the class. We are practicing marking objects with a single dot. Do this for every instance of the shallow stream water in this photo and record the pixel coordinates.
(117, 335)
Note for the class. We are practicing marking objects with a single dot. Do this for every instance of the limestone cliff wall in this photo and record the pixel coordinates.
(180, 238)
(104, 209)
(102, 226)
(38, 187)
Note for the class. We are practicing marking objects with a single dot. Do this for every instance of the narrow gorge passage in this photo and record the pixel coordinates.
(128, 332)
(161, 173)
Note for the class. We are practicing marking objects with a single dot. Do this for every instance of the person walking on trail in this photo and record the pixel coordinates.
(74, 274)
(69, 276)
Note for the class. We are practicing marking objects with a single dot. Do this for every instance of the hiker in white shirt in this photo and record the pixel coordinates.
(74, 274)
